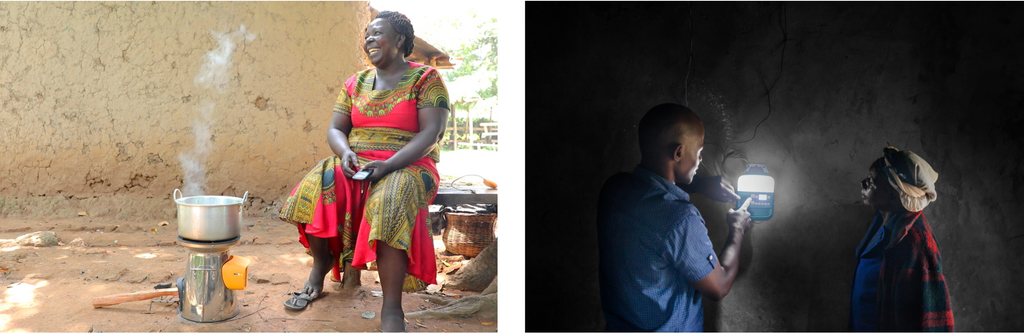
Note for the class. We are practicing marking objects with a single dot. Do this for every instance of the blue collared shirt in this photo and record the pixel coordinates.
(864, 299)
(653, 244)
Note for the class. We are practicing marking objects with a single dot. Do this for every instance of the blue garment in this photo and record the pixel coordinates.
(653, 244)
(864, 299)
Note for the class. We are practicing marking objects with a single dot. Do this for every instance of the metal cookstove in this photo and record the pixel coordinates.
(206, 291)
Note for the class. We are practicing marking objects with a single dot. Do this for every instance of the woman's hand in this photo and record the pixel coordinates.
(337, 138)
(349, 163)
(380, 169)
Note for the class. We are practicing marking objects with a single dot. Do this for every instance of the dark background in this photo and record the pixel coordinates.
(846, 79)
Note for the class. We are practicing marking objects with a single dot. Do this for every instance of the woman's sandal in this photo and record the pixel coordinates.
(300, 300)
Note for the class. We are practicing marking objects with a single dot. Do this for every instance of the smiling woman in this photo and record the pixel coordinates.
(378, 34)
(387, 119)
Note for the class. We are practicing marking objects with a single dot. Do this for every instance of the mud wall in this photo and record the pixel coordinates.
(842, 81)
(99, 99)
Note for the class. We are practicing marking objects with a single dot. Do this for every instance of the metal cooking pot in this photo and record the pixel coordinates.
(209, 218)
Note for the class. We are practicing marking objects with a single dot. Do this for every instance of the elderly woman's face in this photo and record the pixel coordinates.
(875, 190)
(381, 41)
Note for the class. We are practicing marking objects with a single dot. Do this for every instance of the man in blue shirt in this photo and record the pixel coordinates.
(655, 256)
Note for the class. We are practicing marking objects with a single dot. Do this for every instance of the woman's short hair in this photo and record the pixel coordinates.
(402, 25)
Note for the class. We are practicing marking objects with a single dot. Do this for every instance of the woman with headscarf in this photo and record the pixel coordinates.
(387, 120)
(898, 283)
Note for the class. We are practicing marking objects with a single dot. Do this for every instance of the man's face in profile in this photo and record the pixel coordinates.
(692, 147)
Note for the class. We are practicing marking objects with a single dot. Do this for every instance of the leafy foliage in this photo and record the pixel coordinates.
(476, 77)
(471, 40)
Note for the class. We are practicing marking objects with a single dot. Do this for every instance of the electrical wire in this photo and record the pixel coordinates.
(781, 61)
(452, 185)
(726, 154)
(729, 152)
(768, 90)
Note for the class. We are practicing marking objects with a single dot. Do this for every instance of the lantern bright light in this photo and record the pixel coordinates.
(756, 182)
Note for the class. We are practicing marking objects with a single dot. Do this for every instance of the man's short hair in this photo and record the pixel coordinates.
(657, 129)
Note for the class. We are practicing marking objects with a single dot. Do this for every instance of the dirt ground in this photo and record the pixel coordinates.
(51, 288)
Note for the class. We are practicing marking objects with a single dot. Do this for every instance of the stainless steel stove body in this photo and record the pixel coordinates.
(202, 293)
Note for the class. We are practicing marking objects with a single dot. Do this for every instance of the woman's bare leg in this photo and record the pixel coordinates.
(391, 265)
(323, 261)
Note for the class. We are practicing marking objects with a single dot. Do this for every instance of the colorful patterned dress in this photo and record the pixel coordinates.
(353, 215)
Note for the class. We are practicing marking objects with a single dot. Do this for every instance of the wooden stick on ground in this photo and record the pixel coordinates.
(99, 302)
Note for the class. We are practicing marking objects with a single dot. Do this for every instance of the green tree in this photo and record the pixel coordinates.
(472, 43)
(479, 63)
(476, 76)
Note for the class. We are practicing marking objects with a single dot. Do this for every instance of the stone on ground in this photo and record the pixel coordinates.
(38, 238)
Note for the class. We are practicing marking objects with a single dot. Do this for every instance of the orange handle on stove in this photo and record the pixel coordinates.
(235, 272)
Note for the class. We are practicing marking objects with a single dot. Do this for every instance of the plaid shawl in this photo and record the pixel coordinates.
(912, 294)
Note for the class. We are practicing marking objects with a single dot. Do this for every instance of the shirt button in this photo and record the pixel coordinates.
(710, 257)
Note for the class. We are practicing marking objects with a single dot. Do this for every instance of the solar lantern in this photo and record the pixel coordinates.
(755, 183)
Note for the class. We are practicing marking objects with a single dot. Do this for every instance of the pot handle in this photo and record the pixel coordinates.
(176, 195)
(244, 196)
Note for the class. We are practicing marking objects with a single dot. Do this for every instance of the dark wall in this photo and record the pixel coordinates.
(841, 81)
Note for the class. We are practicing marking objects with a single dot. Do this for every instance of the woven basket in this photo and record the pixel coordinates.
(468, 233)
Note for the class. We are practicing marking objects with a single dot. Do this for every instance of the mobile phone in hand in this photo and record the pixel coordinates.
(362, 174)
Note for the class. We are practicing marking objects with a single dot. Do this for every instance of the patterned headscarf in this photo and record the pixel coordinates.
(911, 176)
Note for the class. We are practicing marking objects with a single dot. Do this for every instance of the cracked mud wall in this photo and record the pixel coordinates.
(944, 80)
(97, 100)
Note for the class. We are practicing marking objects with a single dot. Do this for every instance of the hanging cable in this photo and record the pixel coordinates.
(781, 61)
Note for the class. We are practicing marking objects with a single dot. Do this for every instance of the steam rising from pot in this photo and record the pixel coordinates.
(213, 75)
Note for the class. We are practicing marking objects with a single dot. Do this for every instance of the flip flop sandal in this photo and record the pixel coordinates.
(299, 301)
